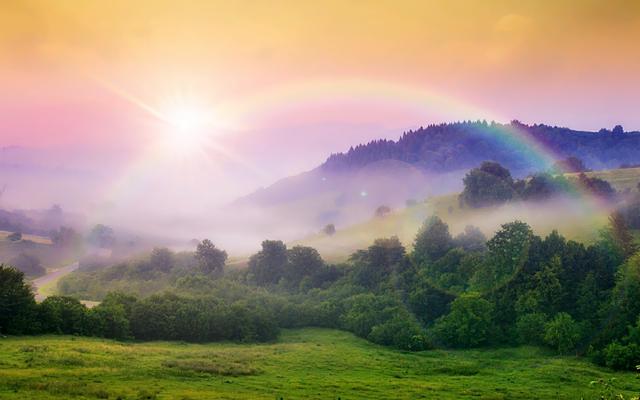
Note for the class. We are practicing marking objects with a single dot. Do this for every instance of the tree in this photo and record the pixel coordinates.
(472, 239)
(108, 320)
(427, 302)
(17, 303)
(29, 264)
(303, 262)
(621, 234)
(268, 265)
(570, 164)
(329, 229)
(210, 259)
(432, 241)
(596, 186)
(374, 265)
(508, 251)
(63, 314)
(562, 333)
(15, 237)
(531, 328)
(490, 184)
(469, 323)
(67, 238)
(543, 187)
(382, 211)
(102, 236)
(162, 259)
(618, 130)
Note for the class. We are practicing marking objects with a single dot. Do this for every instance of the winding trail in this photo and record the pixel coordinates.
(50, 277)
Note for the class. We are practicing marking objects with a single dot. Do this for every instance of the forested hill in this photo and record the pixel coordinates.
(463, 145)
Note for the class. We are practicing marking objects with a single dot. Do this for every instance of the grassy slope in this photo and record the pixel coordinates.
(620, 179)
(576, 224)
(304, 364)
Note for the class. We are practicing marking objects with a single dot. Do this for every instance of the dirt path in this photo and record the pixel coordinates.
(51, 277)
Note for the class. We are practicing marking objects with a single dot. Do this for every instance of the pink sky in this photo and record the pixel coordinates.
(77, 77)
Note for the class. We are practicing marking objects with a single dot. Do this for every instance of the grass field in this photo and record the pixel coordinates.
(620, 179)
(303, 364)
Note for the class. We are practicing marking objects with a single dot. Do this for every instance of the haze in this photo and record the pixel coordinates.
(100, 101)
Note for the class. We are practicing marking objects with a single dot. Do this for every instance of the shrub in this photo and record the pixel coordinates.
(402, 332)
(622, 357)
(562, 333)
(469, 323)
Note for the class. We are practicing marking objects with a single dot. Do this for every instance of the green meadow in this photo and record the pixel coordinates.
(302, 364)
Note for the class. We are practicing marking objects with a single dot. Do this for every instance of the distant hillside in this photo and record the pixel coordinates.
(564, 216)
(463, 145)
(348, 187)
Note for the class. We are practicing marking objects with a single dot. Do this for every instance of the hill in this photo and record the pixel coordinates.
(404, 222)
(302, 364)
(463, 145)
(430, 161)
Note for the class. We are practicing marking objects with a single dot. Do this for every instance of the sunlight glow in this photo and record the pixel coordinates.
(188, 128)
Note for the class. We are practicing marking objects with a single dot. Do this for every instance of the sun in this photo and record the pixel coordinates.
(187, 128)
(188, 119)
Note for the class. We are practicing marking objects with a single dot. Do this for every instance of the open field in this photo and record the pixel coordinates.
(620, 179)
(303, 364)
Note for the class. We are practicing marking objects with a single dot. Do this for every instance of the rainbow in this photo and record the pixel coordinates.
(283, 101)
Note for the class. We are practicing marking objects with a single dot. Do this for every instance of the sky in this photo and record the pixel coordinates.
(193, 103)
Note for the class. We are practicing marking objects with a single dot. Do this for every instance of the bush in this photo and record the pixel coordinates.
(622, 357)
(469, 323)
(402, 332)
(562, 333)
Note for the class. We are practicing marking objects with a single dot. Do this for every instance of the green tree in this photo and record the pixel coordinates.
(374, 266)
(162, 259)
(507, 252)
(562, 333)
(472, 239)
(63, 314)
(487, 185)
(304, 262)
(432, 241)
(17, 303)
(109, 321)
(210, 259)
(268, 265)
(621, 234)
(531, 328)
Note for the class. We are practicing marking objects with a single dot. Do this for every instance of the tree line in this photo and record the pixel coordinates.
(467, 290)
